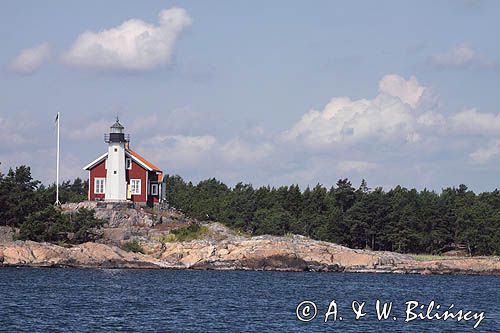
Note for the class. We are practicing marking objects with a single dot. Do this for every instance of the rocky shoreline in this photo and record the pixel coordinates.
(256, 253)
(221, 249)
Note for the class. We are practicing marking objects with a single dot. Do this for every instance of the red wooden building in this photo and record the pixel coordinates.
(122, 174)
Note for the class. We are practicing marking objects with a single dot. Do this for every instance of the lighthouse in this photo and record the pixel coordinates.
(122, 174)
(116, 184)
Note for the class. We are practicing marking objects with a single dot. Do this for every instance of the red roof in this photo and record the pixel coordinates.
(134, 155)
(142, 159)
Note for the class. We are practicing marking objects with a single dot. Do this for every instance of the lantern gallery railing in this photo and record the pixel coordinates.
(116, 137)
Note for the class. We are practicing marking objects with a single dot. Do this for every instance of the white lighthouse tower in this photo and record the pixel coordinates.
(116, 184)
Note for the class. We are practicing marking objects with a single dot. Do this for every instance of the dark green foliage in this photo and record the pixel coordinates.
(21, 195)
(27, 204)
(402, 220)
(133, 246)
(83, 224)
(51, 225)
(272, 221)
(48, 225)
(18, 196)
(68, 192)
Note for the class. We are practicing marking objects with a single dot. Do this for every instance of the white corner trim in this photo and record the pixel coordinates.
(94, 162)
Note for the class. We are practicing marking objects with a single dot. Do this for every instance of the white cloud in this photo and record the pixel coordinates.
(15, 130)
(186, 149)
(398, 122)
(430, 119)
(238, 151)
(143, 123)
(396, 115)
(179, 150)
(472, 121)
(203, 142)
(29, 60)
(389, 115)
(484, 155)
(133, 45)
(461, 55)
(408, 91)
(357, 166)
(320, 169)
(90, 131)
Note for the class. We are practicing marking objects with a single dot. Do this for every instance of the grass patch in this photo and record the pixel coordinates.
(63, 243)
(431, 257)
(186, 234)
(241, 232)
(168, 238)
(133, 246)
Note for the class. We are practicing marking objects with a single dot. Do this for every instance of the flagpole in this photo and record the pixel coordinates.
(57, 166)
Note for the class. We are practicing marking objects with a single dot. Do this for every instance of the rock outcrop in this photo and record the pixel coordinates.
(222, 249)
(85, 255)
(294, 253)
(6, 234)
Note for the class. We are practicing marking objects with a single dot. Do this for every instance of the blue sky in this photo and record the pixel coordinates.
(396, 92)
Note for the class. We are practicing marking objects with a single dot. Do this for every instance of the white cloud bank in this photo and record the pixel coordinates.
(237, 150)
(394, 114)
(471, 121)
(180, 151)
(184, 150)
(30, 59)
(484, 155)
(133, 45)
(459, 56)
(388, 115)
(356, 166)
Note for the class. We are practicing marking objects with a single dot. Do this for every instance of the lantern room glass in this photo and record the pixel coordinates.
(116, 128)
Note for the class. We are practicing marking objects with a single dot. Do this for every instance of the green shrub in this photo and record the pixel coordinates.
(47, 225)
(133, 246)
(51, 225)
(84, 223)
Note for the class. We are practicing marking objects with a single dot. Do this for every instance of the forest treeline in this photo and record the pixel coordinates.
(402, 220)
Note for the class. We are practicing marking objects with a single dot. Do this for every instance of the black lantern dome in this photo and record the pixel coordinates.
(116, 133)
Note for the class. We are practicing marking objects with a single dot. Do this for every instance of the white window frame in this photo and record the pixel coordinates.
(97, 188)
(128, 163)
(154, 188)
(135, 186)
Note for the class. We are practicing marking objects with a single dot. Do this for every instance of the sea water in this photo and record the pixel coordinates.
(92, 300)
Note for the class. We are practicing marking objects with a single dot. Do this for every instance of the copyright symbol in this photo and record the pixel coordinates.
(306, 311)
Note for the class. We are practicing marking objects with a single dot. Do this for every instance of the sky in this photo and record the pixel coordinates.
(269, 93)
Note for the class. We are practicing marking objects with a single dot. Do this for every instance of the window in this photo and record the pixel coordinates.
(99, 185)
(154, 189)
(135, 186)
(128, 163)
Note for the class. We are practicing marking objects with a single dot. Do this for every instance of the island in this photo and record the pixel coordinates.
(149, 239)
